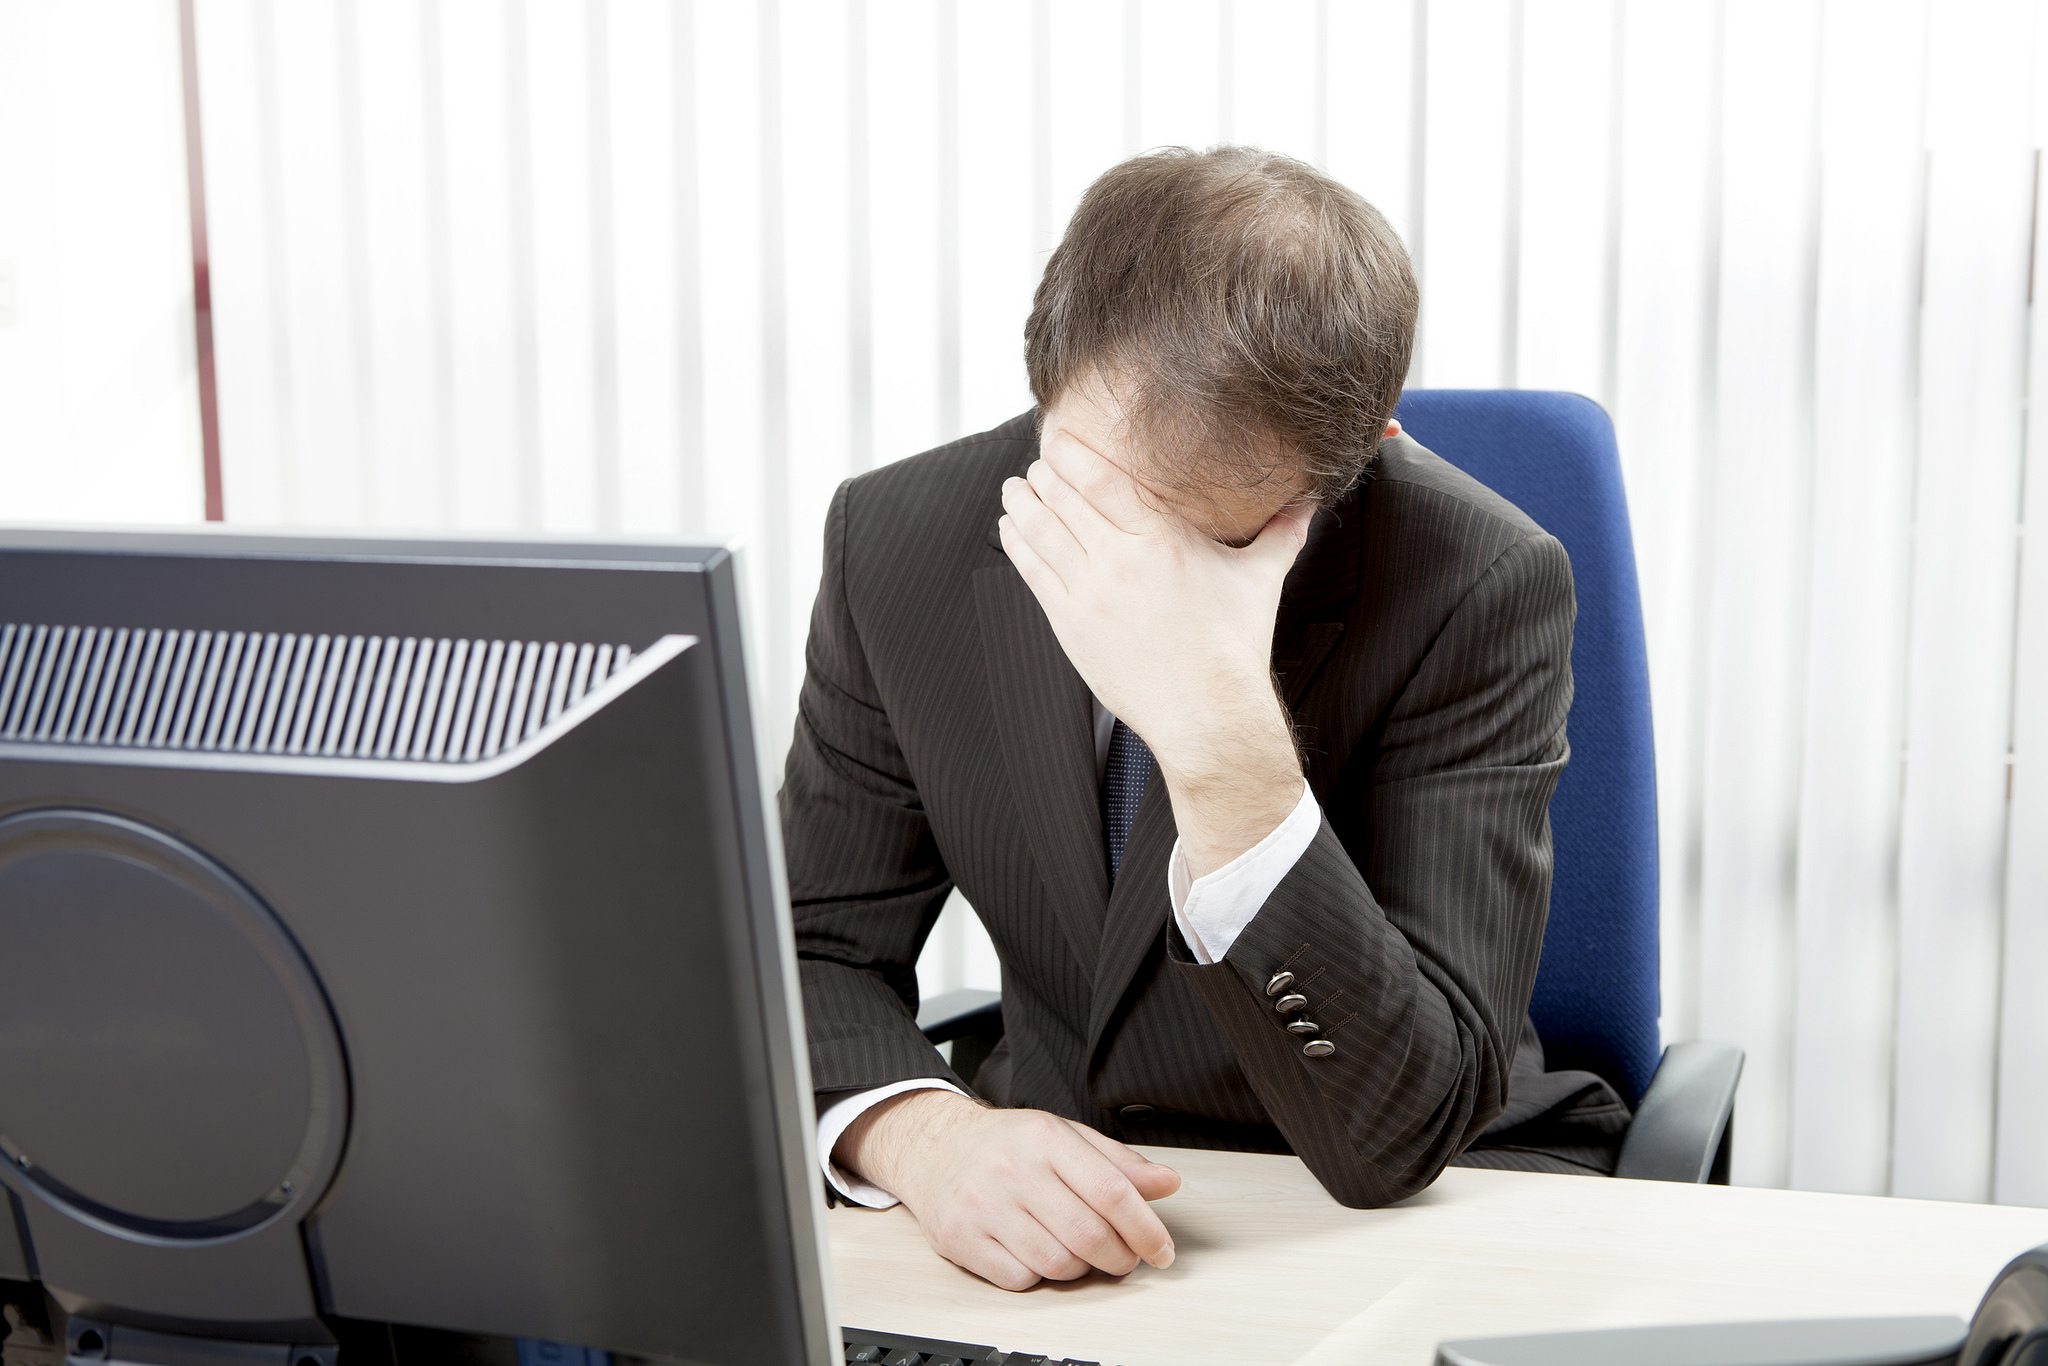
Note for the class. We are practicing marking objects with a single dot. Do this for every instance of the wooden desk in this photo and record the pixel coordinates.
(1271, 1270)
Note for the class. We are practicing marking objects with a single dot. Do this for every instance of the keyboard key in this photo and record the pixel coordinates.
(944, 1361)
(903, 1356)
(863, 1352)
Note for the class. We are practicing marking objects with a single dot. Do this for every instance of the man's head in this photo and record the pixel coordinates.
(1240, 320)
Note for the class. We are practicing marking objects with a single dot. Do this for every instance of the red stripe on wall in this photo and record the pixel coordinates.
(202, 285)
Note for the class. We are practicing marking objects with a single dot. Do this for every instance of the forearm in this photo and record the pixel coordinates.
(1231, 771)
(1402, 1068)
(860, 1032)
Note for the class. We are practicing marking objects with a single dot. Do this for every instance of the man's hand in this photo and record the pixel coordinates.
(1173, 630)
(1015, 1196)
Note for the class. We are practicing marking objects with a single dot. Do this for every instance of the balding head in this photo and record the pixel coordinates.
(1252, 317)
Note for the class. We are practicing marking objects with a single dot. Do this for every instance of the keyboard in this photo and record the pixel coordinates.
(867, 1348)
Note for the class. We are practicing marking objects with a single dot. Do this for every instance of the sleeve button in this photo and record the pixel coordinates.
(1290, 1003)
(1279, 982)
(1318, 1048)
(1304, 1028)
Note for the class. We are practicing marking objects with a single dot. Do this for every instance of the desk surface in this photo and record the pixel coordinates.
(1271, 1270)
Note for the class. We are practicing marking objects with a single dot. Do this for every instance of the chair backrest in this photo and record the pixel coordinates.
(1553, 456)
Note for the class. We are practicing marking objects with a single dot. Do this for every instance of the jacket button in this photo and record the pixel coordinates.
(1279, 982)
(1318, 1048)
(1304, 1027)
(1136, 1112)
(1290, 1003)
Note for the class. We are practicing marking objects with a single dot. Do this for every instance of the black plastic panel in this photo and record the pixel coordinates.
(14, 1263)
(631, 595)
(169, 1066)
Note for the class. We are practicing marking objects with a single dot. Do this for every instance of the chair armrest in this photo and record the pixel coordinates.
(946, 1017)
(1681, 1131)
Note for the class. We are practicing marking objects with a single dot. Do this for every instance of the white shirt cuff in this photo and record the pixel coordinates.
(837, 1120)
(1214, 909)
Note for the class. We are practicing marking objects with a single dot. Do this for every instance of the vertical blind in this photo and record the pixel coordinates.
(662, 266)
(99, 394)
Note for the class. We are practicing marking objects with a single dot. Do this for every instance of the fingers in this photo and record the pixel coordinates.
(1043, 529)
(1093, 1177)
(1038, 575)
(993, 1233)
(994, 1263)
(1062, 1239)
(1107, 489)
(1014, 1247)
(1152, 1180)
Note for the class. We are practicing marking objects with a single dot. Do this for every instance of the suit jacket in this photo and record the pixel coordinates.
(943, 739)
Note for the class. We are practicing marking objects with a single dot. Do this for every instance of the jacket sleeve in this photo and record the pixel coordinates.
(866, 881)
(1414, 921)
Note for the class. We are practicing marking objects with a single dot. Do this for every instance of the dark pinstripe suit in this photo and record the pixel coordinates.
(943, 739)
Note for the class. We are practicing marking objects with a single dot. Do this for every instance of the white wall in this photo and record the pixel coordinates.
(637, 265)
(99, 417)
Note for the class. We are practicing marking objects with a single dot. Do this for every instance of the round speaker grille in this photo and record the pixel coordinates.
(169, 1067)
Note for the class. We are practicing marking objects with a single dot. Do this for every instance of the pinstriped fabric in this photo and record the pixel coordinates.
(942, 739)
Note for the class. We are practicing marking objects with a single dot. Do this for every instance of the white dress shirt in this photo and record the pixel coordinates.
(1211, 910)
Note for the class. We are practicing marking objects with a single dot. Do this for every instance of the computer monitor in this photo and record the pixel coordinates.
(392, 933)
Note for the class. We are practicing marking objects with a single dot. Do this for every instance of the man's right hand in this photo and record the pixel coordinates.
(1015, 1196)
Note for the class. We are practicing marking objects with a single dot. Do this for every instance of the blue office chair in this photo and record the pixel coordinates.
(1553, 455)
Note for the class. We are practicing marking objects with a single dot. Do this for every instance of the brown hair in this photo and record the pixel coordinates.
(1252, 316)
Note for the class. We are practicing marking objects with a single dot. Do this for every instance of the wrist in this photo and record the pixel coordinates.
(880, 1145)
(1215, 735)
(1230, 799)
(1229, 751)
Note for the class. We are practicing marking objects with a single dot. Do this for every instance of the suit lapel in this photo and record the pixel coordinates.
(1321, 592)
(1045, 715)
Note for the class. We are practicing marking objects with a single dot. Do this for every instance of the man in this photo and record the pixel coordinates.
(1234, 713)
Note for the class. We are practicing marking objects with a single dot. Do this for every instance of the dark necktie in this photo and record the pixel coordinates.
(1124, 776)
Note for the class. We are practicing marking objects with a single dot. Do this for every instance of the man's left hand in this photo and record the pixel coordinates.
(1172, 630)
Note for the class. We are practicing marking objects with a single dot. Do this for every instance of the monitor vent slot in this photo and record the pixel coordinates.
(244, 692)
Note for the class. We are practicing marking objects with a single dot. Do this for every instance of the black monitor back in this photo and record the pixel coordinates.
(312, 1010)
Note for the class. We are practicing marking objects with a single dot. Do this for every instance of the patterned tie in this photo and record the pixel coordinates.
(1124, 777)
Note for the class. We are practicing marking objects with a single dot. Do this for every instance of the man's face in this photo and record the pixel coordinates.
(1089, 412)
